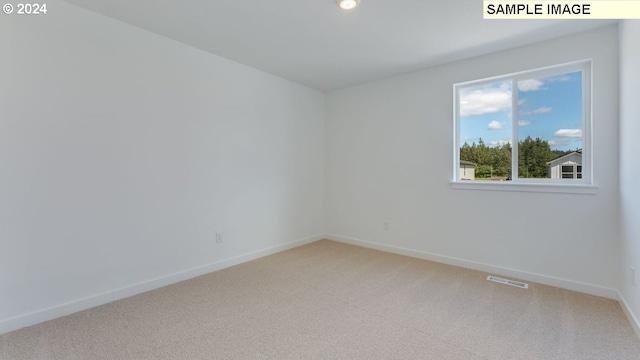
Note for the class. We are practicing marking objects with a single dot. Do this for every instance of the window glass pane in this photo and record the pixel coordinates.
(485, 132)
(567, 176)
(579, 168)
(549, 124)
(568, 168)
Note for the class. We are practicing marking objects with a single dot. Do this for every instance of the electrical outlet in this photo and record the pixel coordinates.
(385, 225)
(633, 276)
(218, 238)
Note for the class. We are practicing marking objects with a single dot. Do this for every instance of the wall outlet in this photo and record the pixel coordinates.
(218, 238)
(633, 275)
(385, 225)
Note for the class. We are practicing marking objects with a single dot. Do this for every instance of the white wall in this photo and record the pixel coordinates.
(122, 153)
(389, 144)
(630, 165)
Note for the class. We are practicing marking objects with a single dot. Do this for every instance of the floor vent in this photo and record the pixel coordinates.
(508, 282)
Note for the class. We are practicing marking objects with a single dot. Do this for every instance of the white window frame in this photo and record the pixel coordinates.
(584, 185)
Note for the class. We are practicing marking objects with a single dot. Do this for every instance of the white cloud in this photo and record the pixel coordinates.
(530, 85)
(495, 125)
(559, 142)
(524, 122)
(542, 110)
(568, 133)
(496, 143)
(558, 78)
(485, 101)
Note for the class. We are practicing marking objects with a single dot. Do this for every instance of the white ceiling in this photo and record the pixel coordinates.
(314, 43)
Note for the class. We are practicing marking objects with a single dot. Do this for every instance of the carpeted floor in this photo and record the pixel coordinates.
(328, 300)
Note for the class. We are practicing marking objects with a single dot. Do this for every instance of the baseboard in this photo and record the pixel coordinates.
(492, 269)
(71, 307)
(627, 311)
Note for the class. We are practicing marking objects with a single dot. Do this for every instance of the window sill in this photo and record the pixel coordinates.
(525, 187)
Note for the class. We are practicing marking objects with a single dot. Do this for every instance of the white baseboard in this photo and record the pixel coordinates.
(71, 307)
(56, 311)
(627, 311)
(492, 269)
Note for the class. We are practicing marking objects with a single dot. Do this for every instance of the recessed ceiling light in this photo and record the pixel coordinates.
(348, 4)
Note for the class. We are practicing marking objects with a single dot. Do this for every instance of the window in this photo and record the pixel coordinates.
(529, 128)
(573, 171)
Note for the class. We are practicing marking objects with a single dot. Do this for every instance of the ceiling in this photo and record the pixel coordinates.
(314, 43)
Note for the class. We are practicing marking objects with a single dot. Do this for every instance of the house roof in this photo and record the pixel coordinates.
(565, 157)
(465, 162)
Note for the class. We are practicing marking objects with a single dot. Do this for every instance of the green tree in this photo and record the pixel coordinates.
(484, 171)
(465, 152)
(501, 160)
(482, 153)
(533, 155)
(490, 161)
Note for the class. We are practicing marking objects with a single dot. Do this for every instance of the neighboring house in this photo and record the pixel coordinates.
(467, 170)
(566, 167)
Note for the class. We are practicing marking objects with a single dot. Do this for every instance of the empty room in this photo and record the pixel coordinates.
(318, 179)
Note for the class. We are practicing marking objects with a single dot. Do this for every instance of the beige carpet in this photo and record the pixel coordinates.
(328, 300)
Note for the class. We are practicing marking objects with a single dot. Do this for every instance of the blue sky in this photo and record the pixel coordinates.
(548, 107)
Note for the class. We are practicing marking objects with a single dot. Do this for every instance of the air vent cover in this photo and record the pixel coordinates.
(508, 282)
